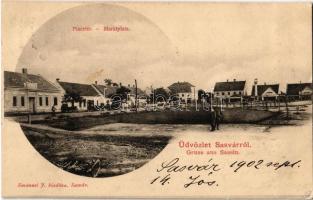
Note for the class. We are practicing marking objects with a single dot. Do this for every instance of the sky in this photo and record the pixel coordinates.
(166, 43)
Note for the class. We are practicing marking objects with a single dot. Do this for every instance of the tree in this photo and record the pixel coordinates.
(108, 82)
(72, 97)
(201, 95)
(160, 94)
(122, 92)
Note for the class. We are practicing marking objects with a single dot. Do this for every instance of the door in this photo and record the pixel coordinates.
(31, 103)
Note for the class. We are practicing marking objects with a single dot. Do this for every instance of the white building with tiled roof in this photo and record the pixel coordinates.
(230, 90)
(87, 95)
(184, 91)
(265, 91)
(28, 93)
(300, 90)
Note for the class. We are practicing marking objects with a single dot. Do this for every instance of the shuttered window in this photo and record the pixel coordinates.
(14, 101)
(22, 101)
(55, 101)
(40, 101)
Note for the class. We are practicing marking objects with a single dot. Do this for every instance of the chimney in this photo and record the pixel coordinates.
(24, 70)
(227, 80)
(234, 80)
(128, 85)
(96, 82)
(256, 87)
(255, 81)
(120, 84)
(264, 83)
(58, 79)
(299, 81)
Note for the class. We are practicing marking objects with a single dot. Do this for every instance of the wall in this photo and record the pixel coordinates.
(47, 107)
(226, 95)
(19, 93)
(186, 95)
(8, 100)
(95, 99)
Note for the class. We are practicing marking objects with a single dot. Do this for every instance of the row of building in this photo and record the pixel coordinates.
(236, 90)
(29, 93)
(24, 92)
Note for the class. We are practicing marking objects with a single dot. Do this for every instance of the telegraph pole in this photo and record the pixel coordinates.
(136, 95)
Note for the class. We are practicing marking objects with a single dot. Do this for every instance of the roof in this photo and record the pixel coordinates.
(109, 90)
(262, 88)
(295, 88)
(180, 87)
(77, 88)
(229, 86)
(139, 91)
(18, 80)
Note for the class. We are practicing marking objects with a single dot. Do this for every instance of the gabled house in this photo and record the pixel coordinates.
(230, 90)
(265, 92)
(302, 91)
(142, 97)
(106, 91)
(184, 91)
(82, 96)
(29, 93)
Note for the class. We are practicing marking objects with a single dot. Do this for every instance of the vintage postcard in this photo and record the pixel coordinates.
(162, 100)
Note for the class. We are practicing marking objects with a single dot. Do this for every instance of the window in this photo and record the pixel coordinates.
(223, 93)
(40, 101)
(182, 95)
(14, 101)
(240, 93)
(55, 101)
(217, 93)
(22, 101)
(84, 102)
(228, 93)
(235, 92)
(80, 104)
(47, 101)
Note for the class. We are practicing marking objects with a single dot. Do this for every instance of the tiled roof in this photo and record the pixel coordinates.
(18, 80)
(262, 88)
(180, 87)
(77, 88)
(229, 86)
(109, 90)
(139, 91)
(295, 88)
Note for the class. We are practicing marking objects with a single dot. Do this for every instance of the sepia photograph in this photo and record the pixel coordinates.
(101, 89)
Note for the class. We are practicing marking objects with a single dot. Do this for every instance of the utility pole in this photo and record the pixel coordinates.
(194, 97)
(211, 97)
(136, 95)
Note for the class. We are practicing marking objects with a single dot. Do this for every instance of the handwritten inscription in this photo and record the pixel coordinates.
(203, 174)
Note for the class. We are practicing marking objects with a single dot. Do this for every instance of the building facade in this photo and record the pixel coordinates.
(28, 93)
(301, 91)
(184, 91)
(265, 92)
(82, 96)
(230, 91)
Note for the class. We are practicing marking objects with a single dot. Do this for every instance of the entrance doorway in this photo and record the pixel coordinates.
(31, 104)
